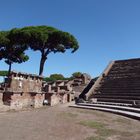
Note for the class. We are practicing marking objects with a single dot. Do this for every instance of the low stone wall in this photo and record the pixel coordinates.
(58, 98)
(39, 98)
(19, 101)
(2, 106)
(65, 98)
(27, 100)
(55, 99)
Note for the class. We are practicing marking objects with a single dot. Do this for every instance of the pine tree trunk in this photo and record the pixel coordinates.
(9, 71)
(7, 81)
(42, 62)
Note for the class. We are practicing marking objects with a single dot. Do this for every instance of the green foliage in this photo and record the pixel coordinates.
(48, 79)
(45, 39)
(55, 77)
(4, 41)
(10, 50)
(3, 73)
(76, 74)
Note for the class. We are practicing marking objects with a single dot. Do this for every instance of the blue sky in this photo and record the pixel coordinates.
(105, 29)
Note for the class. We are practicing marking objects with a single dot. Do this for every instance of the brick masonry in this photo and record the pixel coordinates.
(23, 90)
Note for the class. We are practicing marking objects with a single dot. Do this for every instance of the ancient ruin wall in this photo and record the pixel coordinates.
(39, 98)
(2, 106)
(1, 102)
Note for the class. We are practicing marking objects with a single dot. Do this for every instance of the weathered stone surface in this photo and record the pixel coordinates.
(21, 82)
(2, 106)
(119, 83)
(22, 91)
(63, 91)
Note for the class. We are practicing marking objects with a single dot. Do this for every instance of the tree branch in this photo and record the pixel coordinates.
(47, 52)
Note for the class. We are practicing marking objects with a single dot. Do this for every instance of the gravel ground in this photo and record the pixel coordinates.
(64, 123)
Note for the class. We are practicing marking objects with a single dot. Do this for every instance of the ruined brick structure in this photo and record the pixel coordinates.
(58, 92)
(2, 106)
(63, 91)
(82, 80)
(79, 84)
(22, 91)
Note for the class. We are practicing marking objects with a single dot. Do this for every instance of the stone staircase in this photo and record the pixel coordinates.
(121, 84)
(117, 89)
(127, 111)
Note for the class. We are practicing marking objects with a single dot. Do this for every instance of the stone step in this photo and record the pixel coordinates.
(112, 90)
(123, 73)
(112, 103)
(129, 101)
(117, 94)
(102, 87)
(126, 108)
(134, 79)
(116, 111)
(116, 97)
(121, 80)
(119, 85)
(125, 66)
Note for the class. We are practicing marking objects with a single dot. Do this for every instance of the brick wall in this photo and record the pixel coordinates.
(27, 100)
(25, 85)
(55, 99)
(1, 103)
(39, 98)
(2, 106)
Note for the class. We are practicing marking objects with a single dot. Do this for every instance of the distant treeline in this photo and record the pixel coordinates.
(54, 77)
(3, 73)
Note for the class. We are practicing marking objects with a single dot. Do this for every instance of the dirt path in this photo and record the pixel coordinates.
(64, 123)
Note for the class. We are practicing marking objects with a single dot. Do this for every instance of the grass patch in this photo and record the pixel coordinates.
(95, 138)
(94, 112)
(104, 132)
(12, 110)
(101, 130)
(124, 121)
(126, 134)
(71, 115)
(92, 124)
